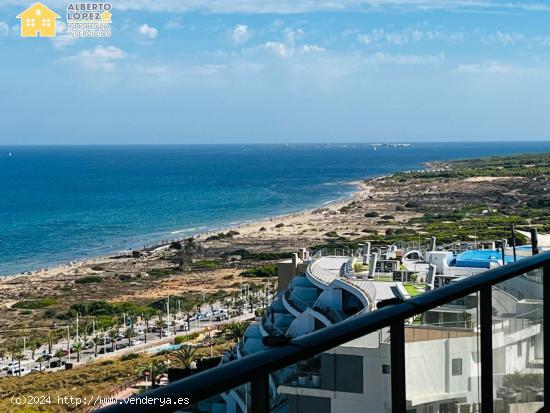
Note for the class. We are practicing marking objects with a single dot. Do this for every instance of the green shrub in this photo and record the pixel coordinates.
(268, 270)
(222, 236)
(206, 264)
(372, 214)
(187, 337)
(92, 279)
(35, 304)
(129, 356)
(49, 313)
(259, 256)
(176, 245)
(162, 272)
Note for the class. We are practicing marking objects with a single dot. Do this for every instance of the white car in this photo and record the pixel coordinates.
(39, 367)
(14, 371)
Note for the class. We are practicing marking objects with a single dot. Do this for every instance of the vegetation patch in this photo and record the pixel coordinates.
(222, 236)
(259, 256)
(268, 270)
(92, 279)
(35, 304)
(206, 265)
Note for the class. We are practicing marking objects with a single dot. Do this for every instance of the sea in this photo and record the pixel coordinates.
(64, 203)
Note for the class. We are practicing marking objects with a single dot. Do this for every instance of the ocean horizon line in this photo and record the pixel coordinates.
(382, 141)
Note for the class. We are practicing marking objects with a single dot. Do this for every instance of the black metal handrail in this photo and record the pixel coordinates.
(256, 367)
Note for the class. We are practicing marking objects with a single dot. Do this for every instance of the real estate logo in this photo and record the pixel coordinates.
(38, 21)
(89, 19)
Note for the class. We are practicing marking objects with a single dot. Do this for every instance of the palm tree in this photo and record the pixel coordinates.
(113, 333)
(252, 300)
(34, 345)
(59, 354)
(156, 368)
(187, 307)
(160, 323)
(17, 354)
(50, 338)
(78, 347)
(40, 360)
(184, 356)
(189, 250)
(129, 333)
(147, 314)
(211, 299)
(97, 340)
(239, 303)
(235, 330)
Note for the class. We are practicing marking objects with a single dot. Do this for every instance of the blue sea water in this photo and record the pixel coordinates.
(63, 203)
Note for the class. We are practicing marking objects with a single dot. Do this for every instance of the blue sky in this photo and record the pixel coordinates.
(221, 71)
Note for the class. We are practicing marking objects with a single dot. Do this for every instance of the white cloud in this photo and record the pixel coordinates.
(148, 31)
(308, 48)
(99, 58)
(398, 38)
(516, 38)
(485, 68)
(293, 35)
(280, 49)
(506, 39)
(405, 59)
(241, 34)
(4, 29)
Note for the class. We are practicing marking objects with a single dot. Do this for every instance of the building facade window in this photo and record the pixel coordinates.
(456, 367)
(386, 369)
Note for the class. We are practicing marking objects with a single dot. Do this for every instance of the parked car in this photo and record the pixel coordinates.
(15, 371)
(56, 363)
(11, 364)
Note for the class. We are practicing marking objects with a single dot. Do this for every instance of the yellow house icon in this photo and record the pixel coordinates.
(106, 16)
(38, 20)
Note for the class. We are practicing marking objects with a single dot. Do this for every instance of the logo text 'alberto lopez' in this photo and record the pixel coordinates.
(89, 19)
(87, 11)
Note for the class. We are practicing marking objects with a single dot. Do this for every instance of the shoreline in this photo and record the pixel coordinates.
(244, 226)
(381, 209)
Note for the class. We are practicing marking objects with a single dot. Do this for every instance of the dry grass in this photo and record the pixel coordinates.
(93, 380)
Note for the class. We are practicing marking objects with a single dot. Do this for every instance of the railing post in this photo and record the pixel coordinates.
(546, 322)
(259, 394)
(486, 350)
(398, 392)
